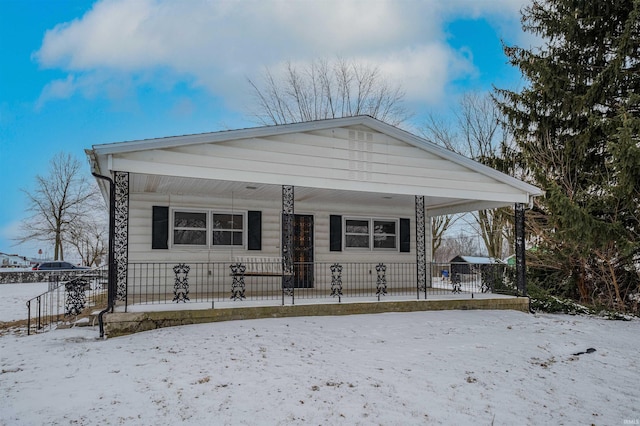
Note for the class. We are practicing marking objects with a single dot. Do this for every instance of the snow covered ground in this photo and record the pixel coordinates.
(450, 367)
(13, 299)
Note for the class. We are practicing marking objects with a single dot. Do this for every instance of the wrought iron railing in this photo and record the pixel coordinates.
(70, 296)
(215, 282)
(497, 278)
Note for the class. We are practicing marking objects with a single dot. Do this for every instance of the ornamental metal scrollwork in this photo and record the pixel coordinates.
(336, 280)
(237, 286)
(76, 298)
(455, 283)
(421, 245)
(181, 286)
(521, 278)
(287, 239)
(121, 240)
(287, 199)
(381, 282)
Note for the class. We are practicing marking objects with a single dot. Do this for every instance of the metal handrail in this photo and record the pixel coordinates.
(70, 293)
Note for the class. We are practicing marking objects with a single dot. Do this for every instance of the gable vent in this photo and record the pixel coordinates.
(360, 155)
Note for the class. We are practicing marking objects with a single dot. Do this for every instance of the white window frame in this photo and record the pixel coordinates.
(345, 234)
(208, 228)
(371, 221)
(174, 228)
(395, 236)
(243, 229)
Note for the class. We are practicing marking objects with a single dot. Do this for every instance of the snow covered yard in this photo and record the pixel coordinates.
(13, 299)
(451, 367)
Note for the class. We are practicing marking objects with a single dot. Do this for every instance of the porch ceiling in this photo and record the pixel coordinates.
(145, 183)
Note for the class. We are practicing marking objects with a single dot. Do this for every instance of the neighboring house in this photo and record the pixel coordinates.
(481, 260)
(466, 264)
(13, 261)
(296, 197)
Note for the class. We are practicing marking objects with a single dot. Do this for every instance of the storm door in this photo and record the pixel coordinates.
(303, 251)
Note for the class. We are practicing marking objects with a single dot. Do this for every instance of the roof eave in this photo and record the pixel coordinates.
(228, 135)
(265, 131)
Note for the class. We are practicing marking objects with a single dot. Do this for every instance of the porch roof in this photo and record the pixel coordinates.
(353, 158)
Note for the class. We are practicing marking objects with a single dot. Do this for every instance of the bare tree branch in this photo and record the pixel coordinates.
(323, 89)
(477, 132)
(59, 204)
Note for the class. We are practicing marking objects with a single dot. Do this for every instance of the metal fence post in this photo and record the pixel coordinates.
(521, 272)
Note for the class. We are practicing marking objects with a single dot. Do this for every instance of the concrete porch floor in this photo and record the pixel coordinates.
(146, 317)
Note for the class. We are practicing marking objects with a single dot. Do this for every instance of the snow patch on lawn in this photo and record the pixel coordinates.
(13, 299)
(445, 367)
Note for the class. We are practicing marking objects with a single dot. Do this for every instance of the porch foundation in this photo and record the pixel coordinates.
(124, 323)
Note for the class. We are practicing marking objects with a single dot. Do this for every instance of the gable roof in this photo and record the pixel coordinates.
(172, 147)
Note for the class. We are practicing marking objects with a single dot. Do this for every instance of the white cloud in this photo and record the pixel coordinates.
(216, 44)
(425, 71)
(57, 89)
(112, 85)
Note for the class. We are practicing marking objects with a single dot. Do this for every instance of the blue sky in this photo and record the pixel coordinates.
(75, 73)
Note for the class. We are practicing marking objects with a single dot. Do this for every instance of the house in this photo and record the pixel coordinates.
(465, 264)
(13, 261)
(311, 205)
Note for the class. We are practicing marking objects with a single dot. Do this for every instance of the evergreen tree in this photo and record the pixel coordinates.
(577, 125)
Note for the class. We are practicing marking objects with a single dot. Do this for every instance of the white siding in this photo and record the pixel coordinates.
(327, 159)
(140, 223)
(140, 230)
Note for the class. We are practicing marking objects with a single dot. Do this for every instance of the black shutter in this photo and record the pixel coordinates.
(335, 233)
(405, 235)
(254, 230)
(160, 228)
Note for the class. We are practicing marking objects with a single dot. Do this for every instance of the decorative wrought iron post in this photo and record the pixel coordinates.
(237, 287)
(287, 239)
(181, 285)
(75, 297)
(521, 271)
(336, 281)
(456, 286)
(121, 249)
(381, 282)
(421, 246)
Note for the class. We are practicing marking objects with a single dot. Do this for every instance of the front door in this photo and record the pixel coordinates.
(303, 251)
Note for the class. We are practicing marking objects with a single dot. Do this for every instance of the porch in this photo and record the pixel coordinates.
(164, 294)
(343, 205)
(150, 317)
(234, 284)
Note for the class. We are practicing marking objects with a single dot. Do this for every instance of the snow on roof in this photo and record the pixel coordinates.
(479, 259)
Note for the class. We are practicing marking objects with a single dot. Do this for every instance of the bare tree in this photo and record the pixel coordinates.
(461, 244)
(476, 131)
(58, 203)
(89, 235)
(440, 225)
(323, 89)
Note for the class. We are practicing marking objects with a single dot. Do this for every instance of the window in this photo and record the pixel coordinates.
(190, 228)
(358, 234)
(207, 228)
(384, 234)
(227, 229)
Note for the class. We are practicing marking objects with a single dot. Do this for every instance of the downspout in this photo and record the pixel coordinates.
(112, 263)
